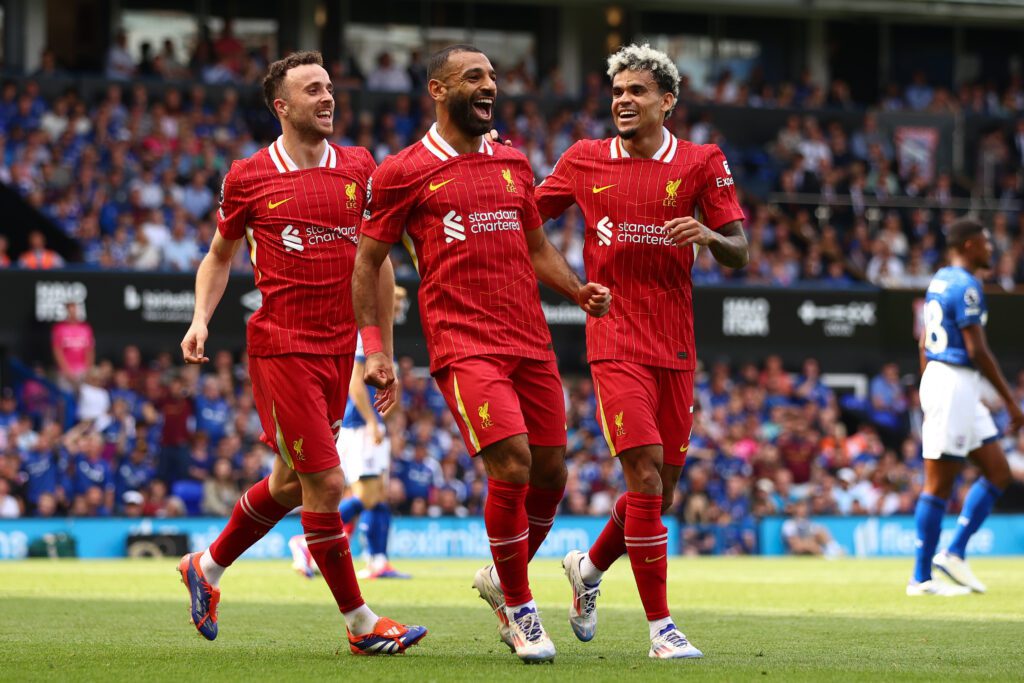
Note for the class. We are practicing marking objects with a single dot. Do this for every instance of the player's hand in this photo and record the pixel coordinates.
(1016, 418)
(376, 433)
(494, 137)
(379, 370)
(595, 299)
(193, 346)
(385, 400)
(688, 230)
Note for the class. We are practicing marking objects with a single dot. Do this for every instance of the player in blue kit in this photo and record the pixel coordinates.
(955, 361)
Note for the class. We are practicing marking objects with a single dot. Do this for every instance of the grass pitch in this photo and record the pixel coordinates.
(755, 619)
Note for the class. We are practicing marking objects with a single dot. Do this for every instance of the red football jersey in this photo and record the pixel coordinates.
(625, 202)
(301, 227)
(465, 216)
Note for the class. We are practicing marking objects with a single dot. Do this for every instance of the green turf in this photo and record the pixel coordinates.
(755, 619)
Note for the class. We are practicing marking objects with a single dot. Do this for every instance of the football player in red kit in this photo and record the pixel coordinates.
(649, 201)
(468, 210)
(297, 203)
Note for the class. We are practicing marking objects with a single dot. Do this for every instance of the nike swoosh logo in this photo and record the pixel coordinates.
(506, 559)
(273, 205)
(649, 560)
(595, 189)
(438, 186)
(683, 449)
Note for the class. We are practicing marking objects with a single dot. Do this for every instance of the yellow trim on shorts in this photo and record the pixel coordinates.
(282, 444)
(604, 421)
(465, 417)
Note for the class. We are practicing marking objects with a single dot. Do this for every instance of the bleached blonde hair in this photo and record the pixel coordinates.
(645, 58)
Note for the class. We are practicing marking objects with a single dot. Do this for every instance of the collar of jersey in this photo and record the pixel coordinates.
(284, 163)
(665, 153)
(440, 148)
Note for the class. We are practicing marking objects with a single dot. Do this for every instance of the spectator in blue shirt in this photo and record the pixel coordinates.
(41, 465)
(198, 199)
(135, 471)
(213, 414)
(122, 390)
(8, 408)
(8, 102)
(90, 469)
(119, 434)
(888, 399)
(809, 387)
(421, 475)
(735, 502)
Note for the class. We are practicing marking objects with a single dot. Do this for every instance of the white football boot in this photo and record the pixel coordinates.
(958, 570)
(670, 643)
(933, 587)
(531, 641)
(583, 609)
(491, 593)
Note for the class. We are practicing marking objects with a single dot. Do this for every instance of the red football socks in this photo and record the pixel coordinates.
(328, 545)
(611, 544)
(541, 506)
(255, 513)
(509, 535)
(647, 546)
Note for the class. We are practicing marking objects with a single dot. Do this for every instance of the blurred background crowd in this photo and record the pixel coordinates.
(153, 438)
(133, 173)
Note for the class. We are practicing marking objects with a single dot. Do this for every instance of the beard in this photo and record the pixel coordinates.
(627, 134)
(309, 129)
(460, 111)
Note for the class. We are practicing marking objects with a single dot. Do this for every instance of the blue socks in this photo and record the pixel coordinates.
(349, 508)
(378, 526)
(977, 507)
(928, 515)
(374, 524)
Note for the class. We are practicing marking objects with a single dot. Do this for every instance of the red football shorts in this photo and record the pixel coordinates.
(643, 405)
(301, 399)
(495, 397)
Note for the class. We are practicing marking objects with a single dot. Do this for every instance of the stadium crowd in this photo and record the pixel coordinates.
(156, 439)
(133, 176)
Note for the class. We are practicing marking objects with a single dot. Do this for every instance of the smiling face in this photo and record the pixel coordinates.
(638, 104)
(306, 101)
(467, 91)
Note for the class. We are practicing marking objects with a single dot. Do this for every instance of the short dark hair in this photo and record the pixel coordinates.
(279, 69)
(963, 230)
(439, 59)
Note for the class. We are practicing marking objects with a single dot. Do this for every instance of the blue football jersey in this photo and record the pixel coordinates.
(352, 419)
(954, 301)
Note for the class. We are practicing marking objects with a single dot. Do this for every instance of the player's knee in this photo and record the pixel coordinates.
(287, 493)
(651, 484)
(548, 469)
(508, 462)
(643, 471)
(325, 490)
(645, 479)
(515, 472)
